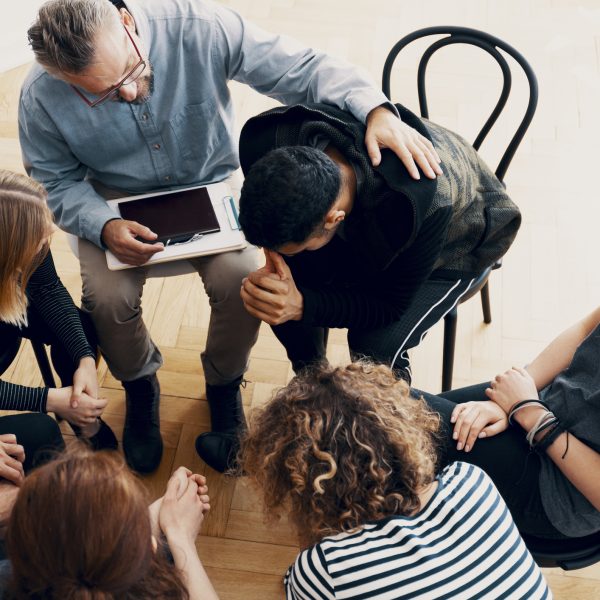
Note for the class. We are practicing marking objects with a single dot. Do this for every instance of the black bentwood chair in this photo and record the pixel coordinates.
(9, 354)
(569, 555)
(492, 45)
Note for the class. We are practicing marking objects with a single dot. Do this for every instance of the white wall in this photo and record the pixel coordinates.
(17, 16)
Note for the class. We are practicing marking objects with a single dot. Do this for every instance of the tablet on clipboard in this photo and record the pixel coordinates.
(214, 231)
(174, 216)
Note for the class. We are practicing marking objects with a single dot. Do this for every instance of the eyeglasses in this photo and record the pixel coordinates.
(134, 74)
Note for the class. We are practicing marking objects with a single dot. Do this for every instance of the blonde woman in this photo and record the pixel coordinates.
(35, 304)
(352, 457)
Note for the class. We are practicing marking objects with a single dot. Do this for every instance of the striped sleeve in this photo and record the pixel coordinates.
(50, 298)
(20, 397)
(308, 578)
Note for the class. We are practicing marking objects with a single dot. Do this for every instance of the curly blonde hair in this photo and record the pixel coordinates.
(339, 447)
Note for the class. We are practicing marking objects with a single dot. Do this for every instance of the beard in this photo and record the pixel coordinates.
(145, 87)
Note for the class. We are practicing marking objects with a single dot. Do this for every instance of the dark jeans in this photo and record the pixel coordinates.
(506, 458)
(37, 433)
(38, 330)
(332, 268)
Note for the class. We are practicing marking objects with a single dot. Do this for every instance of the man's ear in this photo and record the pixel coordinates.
(127, 19)
(333, 218)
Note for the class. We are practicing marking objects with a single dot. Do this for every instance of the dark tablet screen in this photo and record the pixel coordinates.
(175, 216)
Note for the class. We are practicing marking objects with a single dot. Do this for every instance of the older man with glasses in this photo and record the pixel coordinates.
(129, 97)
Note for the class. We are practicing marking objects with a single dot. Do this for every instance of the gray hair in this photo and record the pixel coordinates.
(63, 36)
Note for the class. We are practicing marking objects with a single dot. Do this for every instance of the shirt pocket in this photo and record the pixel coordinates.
(197, 130)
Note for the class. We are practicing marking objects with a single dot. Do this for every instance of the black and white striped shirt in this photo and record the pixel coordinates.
(462, 545)
(48, 296)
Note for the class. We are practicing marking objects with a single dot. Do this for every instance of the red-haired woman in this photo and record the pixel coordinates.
(81, 530)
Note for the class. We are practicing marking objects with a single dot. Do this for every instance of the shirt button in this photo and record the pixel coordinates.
(167, 178)
(156, 146)
(145, 117)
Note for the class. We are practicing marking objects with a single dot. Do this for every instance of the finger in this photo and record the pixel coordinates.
(431, 148)
(464, 427)
(476, 427)
(271, 295)
(430, 157)
(204, 498)
(8, 438)
(11, 474)
(373, 150)
(267, 318)
(141, 230)
(267, 282)
(280, 265)
(16, 451)
(100, 403)
(269, 261)
(250, 301)
(490, 393)
(420, 158)
(173, 486)
(493, 429)
(457, 410)
(76, 394)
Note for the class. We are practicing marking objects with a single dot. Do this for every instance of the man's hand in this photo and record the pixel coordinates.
(119, 236)
(475, 420)
(84, 381)
(12, 456)
(270, 294)
(386, 130)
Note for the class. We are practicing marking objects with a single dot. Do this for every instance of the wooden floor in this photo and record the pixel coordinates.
(549, 277)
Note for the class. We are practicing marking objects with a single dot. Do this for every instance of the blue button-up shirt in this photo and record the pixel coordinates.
(183, 134)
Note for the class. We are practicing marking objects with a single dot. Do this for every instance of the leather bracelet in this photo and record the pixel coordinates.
(542, 446)
(523, 404)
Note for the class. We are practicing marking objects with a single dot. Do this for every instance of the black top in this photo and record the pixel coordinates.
(574, 397)
(48, 296)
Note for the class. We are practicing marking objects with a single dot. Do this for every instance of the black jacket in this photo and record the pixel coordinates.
(401, 231)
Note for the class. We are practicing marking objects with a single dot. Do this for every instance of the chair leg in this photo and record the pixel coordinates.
(43, 363)
(485, 303)
(449, 341)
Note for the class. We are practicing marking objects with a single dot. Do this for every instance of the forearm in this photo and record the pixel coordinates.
(557, 356)
(20, 397)
(575, 459)
(188, 562)
(289, 72)
(56, 307)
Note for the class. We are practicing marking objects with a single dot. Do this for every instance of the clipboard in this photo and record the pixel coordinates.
(227, 238)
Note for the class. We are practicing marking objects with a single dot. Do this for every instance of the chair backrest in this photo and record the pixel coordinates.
(568, 554)
(492, 45)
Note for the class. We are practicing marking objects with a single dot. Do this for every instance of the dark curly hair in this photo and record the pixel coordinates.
(339, 447)
(286, 196)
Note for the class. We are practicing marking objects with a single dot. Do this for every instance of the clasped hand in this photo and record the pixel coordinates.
(480, 419)
(270, 293)
(12, 456)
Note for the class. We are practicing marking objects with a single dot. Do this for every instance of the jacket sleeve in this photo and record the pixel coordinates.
(48, 295)
(385, 297)
(48, 159)
(289, 72)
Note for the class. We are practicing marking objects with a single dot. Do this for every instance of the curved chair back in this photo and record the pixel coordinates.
(492, 45)
(569, 554)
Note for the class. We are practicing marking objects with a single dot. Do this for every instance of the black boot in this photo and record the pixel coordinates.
(142, 442)
(219, 448)
(103, 439)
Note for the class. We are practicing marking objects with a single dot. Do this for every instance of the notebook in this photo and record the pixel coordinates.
(215, 230)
